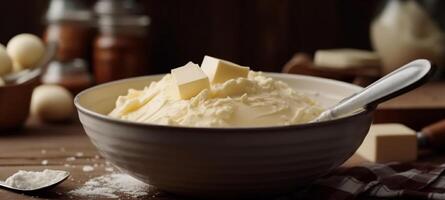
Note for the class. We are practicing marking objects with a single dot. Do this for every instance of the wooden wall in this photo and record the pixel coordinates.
(262, 34)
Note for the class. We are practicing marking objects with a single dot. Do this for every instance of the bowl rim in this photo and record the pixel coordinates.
(238, 130)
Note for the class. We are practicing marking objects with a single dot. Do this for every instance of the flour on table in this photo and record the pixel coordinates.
(87, 168)
(111, 185)
(44, 162)
(29, 180)
(69, 159)
(109, 169)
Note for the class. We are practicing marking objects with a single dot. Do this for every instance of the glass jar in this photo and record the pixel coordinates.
(69, 26)
(120, 48)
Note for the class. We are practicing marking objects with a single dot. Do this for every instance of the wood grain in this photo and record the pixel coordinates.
(416, 109)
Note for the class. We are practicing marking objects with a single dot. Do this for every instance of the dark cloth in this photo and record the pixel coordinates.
(394, 180)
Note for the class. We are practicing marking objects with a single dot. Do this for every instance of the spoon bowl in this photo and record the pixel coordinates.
(35, 190)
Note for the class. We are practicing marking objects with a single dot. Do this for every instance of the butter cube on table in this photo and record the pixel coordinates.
(190, 80)
(219, 71)
(389, 142)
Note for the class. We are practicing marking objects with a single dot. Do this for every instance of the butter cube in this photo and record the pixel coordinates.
(389, 142)
(190, 80)
(346, 58)
(219, 71)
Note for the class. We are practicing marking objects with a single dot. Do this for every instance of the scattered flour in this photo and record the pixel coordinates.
(29, 180)
(110, 186)
(71, 159)
(109, 169)
(87, 168)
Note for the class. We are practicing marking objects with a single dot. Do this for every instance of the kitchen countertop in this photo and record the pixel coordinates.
(26, 149)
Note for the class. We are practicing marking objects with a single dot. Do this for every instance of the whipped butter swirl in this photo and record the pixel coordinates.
(255, 101)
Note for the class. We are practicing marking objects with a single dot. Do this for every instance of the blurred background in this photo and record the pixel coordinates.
(95, 41)
(77, 44)
(263, 34)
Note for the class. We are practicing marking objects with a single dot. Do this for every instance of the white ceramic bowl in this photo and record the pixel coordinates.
(224, 162)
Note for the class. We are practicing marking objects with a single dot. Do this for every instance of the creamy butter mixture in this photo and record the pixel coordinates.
(254, 101)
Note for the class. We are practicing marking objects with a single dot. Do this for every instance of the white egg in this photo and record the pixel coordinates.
(5, 61)
(52, 103)
(26, 50)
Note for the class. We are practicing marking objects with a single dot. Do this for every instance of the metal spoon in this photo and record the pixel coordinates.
(402, 80)
(35, 190)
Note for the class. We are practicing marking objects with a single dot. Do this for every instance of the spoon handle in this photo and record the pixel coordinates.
(402, 80)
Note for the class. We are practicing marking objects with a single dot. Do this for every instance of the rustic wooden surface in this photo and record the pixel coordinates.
(416, 109)
(26, 149)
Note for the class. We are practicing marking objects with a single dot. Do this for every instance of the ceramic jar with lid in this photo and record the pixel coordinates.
(406, 30)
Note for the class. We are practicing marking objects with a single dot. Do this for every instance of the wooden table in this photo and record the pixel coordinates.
(417, 108)
(27, 149)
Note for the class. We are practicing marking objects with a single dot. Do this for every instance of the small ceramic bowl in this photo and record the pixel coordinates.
(15, 102)
(15, 99)
(224, 162)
